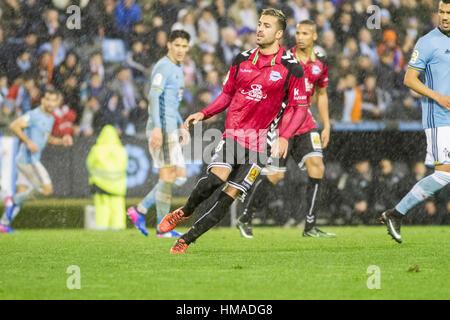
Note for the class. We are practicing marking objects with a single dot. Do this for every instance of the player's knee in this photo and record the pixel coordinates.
(231, 191)
(315, 167)
(275, 177)
(47, 190)
(221, 172)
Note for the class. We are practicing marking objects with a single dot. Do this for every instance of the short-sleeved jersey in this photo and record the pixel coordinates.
(253, 92)
(432, 56)
(39, 127)
(168, 81)
(315, 76)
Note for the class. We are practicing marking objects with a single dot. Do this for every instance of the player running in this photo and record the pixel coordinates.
(432, 56)
(305, 147)
(34, 131)
(163, 129)
(257, 83)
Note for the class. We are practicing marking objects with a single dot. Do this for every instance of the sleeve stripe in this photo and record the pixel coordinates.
(415, 68)
(157, 89)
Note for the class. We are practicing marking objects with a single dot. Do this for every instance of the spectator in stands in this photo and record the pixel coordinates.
(31, 12)
(186, 22)
(123, 85)
(356, 189)
(228, 48)
(21, 95)
(56, 47)
(72, 95)
(352, 99)
(367, 47)
(390, 44)
(138, 117)
(322, 24)
(351, 49)
(386, 186)
(20, 65)
(3, 52)
(96, 65)
(388, 79)
(167, 10)
(138, 61)
(208, 24)
(50, 26)
(45, 70)
(189, 71)
(219, 7)
(96, 89)
(364, 67)
(331, 47)
(300, 10)
(88, 118)
(159, 47)
(407, 107)
(244, 14)
(344, 28)
(373, 102)
(70, 67)
(12, 15)
(213, 84)
(128, 12)
(4, 88)
(107, 26)
(112, 113)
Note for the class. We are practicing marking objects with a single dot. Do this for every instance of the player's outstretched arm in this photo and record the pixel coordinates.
(17, 127)
(412, 81)
(193, 119)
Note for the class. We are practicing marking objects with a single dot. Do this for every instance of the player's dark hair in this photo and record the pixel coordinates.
(281, 18)
(52, 91)
(175, 34)
(446, 1)
(308, 22)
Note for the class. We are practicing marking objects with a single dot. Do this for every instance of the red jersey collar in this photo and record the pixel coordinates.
(313, 57)
(254, 56)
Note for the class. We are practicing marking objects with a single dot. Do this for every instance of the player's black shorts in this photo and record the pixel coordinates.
(245, 164)
(301, 147)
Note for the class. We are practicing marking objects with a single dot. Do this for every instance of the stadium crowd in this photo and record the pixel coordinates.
(103, 68)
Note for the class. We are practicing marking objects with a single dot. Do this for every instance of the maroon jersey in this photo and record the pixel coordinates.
(253, 92)
(315, 76)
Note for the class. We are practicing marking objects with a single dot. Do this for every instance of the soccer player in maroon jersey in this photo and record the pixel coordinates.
(306, 146)
(258, 82)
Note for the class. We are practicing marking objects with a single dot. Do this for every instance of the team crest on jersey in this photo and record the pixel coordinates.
(255, 94)
(414, 56)
(316, 70)
(157, 80)
(275, 76)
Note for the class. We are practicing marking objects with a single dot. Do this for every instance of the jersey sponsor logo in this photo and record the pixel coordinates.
(275, 76)
(315, 140)
(246, 70)
(316, 70)
(308, 86)
(253, 174)
(297, 95)
(255, 93)
(414, 56)
(157, 79)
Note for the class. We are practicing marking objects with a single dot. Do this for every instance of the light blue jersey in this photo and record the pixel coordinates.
(165, 96)
(38, 130)
(432, 55)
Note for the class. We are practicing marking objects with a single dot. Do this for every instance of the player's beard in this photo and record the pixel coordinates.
(268, 43)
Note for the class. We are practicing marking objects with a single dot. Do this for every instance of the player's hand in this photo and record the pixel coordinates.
(444, 101)
(67, 140)
(193, 119)
(185, 136)
(156, 141)
(32, 146)
(325, 136)
(280, 148)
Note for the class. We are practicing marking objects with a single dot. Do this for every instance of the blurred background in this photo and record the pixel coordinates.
(100, 56)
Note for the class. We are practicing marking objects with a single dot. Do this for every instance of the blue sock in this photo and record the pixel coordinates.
(422, 190)
(150, 198)
(163, 200)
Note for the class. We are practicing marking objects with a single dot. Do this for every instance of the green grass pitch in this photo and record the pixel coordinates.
(277, 264)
